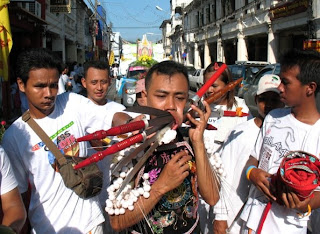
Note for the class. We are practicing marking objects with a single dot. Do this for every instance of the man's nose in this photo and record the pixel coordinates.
(280, 87)
(48, 92)
(170, 104)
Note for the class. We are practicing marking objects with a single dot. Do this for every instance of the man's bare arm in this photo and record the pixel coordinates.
(14, 213)
(208, 183)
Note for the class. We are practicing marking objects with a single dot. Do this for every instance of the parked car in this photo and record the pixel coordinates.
(196, 79)
(127, 85)
(246, 70)
(190, 69)
(249, 96)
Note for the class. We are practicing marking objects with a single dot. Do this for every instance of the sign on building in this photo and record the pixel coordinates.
(60, 6)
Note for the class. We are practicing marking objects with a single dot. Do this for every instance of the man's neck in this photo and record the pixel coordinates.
(306, 113)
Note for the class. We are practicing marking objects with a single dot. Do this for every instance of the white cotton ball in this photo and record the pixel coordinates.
(129, 186)
(134, 199)
(130, 165)
(118, 204)
(109, 203)
(122, 211)
(131, 208)
(111, 211)
(220, 171)
(125, 204)
(111, 188)
(119, 180)
(123, 174)
(146, 194)
(141, 191)
(135, 193)
(126, 197)
(116, 186)
(112, 196)
(116, 211)
(169, 136)
(146, 176)
(130, 202)
(146, 188)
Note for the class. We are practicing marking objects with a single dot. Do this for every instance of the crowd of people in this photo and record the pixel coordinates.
(203, 181)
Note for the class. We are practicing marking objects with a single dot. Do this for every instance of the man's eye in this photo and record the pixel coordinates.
(181, 98)
(94, 82)
(54, 86)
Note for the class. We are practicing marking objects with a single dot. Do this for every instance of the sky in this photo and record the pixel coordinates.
(133, 18)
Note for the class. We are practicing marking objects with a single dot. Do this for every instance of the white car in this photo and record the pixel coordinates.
(127, 85)
(196, 79)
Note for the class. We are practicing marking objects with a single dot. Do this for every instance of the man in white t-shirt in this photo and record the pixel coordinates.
(63, 79)
(284, 130)
(14, 213)
(236, 152)
(96, 80)
(53, 207)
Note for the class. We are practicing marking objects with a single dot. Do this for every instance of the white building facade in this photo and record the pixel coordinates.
(241, 30)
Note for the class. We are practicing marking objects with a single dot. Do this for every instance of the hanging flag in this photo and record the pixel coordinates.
(5, 39)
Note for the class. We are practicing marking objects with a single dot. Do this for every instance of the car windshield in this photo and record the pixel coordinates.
(136, 73)
(191, 70)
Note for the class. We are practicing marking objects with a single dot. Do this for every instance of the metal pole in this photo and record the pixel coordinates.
(94, 35)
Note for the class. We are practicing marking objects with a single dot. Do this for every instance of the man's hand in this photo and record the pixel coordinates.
(174, 172)
(261, 180)
(290, 199)
(220, 227)
(196, 132)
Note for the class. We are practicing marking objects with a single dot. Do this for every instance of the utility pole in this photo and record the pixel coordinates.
(94, 31)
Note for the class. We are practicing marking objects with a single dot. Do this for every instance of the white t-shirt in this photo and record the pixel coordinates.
(214, 139)
(8, 181)
(235, 187)
(62, 82)
(53, 207)
(280, 133)
(224, 124)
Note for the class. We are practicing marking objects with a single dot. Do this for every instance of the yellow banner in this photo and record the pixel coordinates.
(111, 58)
(5, 39)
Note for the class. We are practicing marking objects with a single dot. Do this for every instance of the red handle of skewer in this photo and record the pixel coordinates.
(125, 128)
(101, 134)
(111, 150)
(212, 79)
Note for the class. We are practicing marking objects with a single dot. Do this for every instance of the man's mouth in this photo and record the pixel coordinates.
(175, 123)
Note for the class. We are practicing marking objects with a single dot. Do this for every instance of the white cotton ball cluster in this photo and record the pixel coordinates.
(169, 136)
(129, 195)
(214, 159)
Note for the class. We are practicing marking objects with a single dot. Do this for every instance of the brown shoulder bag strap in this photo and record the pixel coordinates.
(26, 117)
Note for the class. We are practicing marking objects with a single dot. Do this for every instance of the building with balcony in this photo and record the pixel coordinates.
(229, 30)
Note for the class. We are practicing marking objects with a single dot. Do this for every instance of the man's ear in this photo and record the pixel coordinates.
(311, 88)
(21, 85)
(144, 94)
(83, 82)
